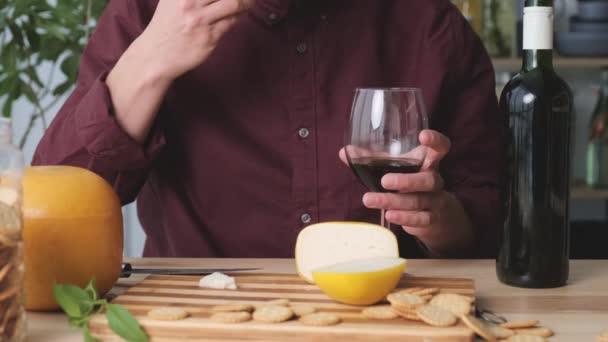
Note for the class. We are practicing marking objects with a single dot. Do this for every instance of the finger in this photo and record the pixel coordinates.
(438, 145)
(222, 9)
(412, 202)
(342, 155)
(221, 27)
(417, 231)
(425, 181)
(187, 5)
(417, 219)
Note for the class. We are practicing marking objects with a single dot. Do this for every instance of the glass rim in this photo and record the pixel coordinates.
(389, 89)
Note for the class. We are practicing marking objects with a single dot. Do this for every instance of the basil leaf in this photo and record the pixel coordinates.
(73, 300)
(77, 322)
(91, 290)
(87, 335)
(123, 324)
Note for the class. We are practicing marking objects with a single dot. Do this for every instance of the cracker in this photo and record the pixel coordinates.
(543, 332)
(380, 312)
(520, 324)
(405, 300)
(500, 332)
(301, 310)
(320, 319)
(231, 317)
(426, 291)
(277, 302)
(479, 327)
(427, 298)
(469, 299)
(526, 338)
(454, 303)
(272, 314)
(168, 313)
(233, 308)
(603, 336)
(410, 315)
(436, 316)
(408, 289)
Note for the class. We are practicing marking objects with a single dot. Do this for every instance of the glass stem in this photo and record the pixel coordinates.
(383, 221)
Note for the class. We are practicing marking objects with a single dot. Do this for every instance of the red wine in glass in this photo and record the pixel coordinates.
(383, 135)
(370, 170)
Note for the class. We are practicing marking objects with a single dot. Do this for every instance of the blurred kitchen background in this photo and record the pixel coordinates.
(581, 53)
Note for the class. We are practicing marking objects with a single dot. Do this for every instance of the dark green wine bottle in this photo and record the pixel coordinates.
(535, 237)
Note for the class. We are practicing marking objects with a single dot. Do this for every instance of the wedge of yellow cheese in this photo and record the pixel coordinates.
(330, 243)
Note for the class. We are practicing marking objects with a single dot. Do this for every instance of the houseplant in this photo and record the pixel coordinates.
(41, 42)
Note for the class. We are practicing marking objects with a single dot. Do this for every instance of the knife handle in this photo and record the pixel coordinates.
(125, 270)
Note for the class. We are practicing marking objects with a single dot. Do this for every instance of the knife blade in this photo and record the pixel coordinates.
(127, 270)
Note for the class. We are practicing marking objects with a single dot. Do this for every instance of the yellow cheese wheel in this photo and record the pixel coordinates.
(72, 232)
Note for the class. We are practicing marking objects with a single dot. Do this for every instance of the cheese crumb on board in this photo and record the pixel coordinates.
(218, 281)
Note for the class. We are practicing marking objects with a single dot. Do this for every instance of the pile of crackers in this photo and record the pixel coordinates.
(275, 311)
(436, 308)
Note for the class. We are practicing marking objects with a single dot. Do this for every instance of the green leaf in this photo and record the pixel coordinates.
(32, 36)
(8, 56)
(7, 108)
(78, 322)
(7, 84)
(50, 47)
(91, 289)
(62, 88)
(17, 34)
(29, 93)
(123, 324)
(87, 335)
(69, 67)
(75, 301)
(32, 73)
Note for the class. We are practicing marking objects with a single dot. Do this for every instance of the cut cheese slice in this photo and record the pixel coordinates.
(218, 281)
(330, 243)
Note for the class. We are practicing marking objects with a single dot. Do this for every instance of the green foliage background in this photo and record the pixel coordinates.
(35, 32)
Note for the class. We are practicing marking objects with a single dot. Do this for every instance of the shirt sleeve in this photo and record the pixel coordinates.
(474, 168)
(85, 132)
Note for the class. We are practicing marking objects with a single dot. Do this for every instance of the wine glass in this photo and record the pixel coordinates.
(384, 135)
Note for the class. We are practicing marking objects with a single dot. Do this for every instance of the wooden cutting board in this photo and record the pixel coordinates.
(183, 291)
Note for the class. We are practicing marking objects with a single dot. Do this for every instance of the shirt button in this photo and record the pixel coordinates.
(303, 133)
(306, 218)
(323, 16)
(272, 17)
(301, 48)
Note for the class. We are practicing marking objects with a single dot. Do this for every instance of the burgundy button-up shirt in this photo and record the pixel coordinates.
(244, 152)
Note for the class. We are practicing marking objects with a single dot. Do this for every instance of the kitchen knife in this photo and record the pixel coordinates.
(127, 270)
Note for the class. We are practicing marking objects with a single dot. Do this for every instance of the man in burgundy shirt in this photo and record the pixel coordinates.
(224, 119)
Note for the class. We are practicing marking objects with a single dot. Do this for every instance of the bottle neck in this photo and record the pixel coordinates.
(538, 35)
(530, 3)
(537, 59)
